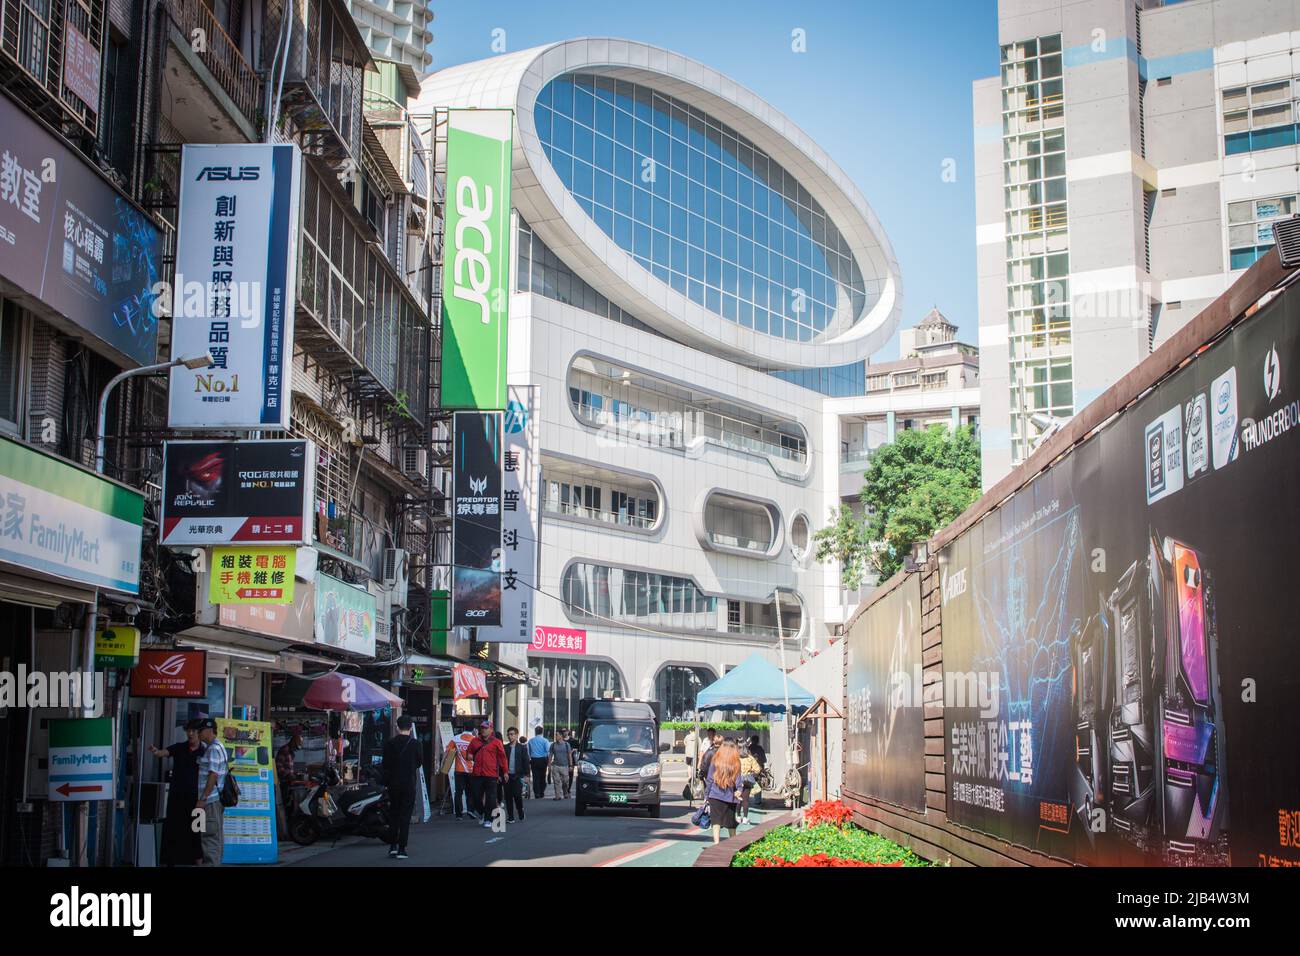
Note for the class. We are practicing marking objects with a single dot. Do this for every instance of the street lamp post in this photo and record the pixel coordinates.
(193, 362)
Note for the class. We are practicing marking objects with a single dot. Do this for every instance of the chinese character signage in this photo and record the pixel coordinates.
(345, 616)
(1119, 645)
(520, 504)
(71, 524)
(71, 240)
(257, 492)
(468, 681)
(476, 259)
(180, 674)
(117, 647)
(236, 277)
(242, 575)
(476, 519)
(81, 67)
(559, 640)
(249, 826)
(884, 752)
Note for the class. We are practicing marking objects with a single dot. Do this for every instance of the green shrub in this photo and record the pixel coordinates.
(847, 843)
(723, 725)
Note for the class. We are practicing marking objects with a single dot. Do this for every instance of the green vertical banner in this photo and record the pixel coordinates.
(476, 259)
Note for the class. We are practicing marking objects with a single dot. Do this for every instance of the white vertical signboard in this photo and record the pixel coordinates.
(236, 278)
(521, 502)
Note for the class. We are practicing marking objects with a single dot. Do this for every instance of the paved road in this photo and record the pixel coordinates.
(550, 835)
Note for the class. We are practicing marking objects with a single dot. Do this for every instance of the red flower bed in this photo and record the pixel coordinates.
(818, 859)
(827, 811)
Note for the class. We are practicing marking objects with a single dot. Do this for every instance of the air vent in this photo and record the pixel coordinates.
(1287, 235)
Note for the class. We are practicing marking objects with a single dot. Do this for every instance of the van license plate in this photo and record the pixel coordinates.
(618, 798)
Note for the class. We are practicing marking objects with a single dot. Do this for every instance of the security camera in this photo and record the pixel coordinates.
(132, 610)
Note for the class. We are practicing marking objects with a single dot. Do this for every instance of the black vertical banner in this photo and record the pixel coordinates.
(476, 520)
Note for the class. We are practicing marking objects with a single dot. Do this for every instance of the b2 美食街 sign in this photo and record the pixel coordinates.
(234, 291)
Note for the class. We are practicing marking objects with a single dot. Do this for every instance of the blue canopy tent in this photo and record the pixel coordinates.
(754, 684)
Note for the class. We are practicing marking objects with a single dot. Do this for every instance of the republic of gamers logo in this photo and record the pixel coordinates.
(478, 485)
(172, 666)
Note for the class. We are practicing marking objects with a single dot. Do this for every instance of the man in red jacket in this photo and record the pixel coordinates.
(490, 766)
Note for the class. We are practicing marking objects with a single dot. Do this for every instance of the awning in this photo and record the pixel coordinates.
(755, 684)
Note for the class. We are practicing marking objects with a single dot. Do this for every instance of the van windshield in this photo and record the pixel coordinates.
(618, 735)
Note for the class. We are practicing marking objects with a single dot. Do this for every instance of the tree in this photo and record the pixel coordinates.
(913, 487)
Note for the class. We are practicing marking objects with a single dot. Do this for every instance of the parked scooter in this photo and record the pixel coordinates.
(332, 809)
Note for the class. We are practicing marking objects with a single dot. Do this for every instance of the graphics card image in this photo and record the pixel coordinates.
(1149, 738)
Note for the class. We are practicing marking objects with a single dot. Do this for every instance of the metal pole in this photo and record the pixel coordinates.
(121, 377)
(785, 685)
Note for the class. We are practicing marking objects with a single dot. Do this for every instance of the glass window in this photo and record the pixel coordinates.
(11, 364)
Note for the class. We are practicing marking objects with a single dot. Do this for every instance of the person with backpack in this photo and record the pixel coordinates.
(488, 756)
(215, 784)
(561, 757)
(749, 771)
(401, 774)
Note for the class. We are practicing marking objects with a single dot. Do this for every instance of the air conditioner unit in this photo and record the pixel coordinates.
(396, 574)
(414, 463)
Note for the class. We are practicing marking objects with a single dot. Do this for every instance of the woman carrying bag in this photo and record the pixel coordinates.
(723, 790)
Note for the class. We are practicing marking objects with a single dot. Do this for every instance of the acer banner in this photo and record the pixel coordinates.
(476, 520)
(234, 290)
(476, 259)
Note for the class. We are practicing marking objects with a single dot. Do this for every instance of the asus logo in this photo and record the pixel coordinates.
(217, 174)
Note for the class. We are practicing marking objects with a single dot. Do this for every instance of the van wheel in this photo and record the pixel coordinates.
(579, 808)
(654, 811)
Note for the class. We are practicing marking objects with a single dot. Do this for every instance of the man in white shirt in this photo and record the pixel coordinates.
(213, 767)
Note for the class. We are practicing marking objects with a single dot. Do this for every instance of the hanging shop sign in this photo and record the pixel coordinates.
(520, 512)
(345, 616)
(258, 492)
(243, 575)
(559, 640)
(249, 826)
(71, 240)
(80, 66)
(81, 759)
(62, 521)
(117, 647)
(476, 259)
(236, 278)
(467, 682)
(476, 519)
(292, 622)
(169, 673)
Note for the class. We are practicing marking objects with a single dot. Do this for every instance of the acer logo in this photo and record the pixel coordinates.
(472, 270)
(477, 612)
(220, 174)
(478, 485)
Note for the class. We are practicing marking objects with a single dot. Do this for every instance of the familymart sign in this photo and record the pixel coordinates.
(60, 520)
(476, 259)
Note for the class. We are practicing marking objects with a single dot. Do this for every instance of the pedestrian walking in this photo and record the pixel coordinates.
(285, 765)
(401, 775)
(749, 771)
(571, 738)
(181, 846)
(460, 767)
(722, 794)
(213, 767)
(757, 752)
(708, 753)
(517, 770)
(539, 754)
(488, 756)
(561, 759)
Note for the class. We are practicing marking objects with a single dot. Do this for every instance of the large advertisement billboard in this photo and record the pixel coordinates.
(476, 259)
(255, 492)
(236, 280)
(884, 754)
(476, 519)
(1132, 610)
(520, 503)
(74, 242)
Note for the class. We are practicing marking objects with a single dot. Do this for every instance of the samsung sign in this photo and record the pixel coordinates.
(235, 285)
(476, 259)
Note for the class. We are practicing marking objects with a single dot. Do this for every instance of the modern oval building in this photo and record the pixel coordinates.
(694, 277)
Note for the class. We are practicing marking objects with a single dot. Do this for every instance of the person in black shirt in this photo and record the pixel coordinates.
(180, 844)
(757, 752)
(401, 773)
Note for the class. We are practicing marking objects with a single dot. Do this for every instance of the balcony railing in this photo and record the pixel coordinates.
(597, 514)
(738, 541)
(33, 38)
(678, 432)
(219, 53)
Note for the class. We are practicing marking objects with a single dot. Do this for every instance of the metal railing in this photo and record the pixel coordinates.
(219, 53)
(681, 431)
(597, 514)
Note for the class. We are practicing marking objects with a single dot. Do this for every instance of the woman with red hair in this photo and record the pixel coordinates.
(723, 790)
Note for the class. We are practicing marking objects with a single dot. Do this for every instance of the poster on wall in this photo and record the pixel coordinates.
(476, 519)
(257, 492)
(242, 575)
(476, 259)
(249, 826)
(345, 616)
(884, 753)
(520, 512)
(74, 242)
(236, 279)
(1133, 609)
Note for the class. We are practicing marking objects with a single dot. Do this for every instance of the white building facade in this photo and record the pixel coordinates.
(679, 244)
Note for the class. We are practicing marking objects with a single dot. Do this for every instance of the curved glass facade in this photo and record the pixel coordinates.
(676, 687)
(700, 207)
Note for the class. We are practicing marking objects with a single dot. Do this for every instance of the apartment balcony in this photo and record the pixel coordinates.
(214, 93)
(737, 525)
(586, 493)
(34, 38)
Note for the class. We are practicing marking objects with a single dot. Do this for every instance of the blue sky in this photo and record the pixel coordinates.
(884, 87)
